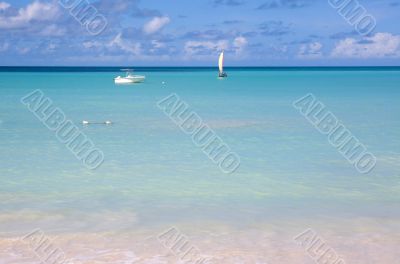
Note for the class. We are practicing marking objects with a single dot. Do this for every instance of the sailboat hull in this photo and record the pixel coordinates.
(222, 75)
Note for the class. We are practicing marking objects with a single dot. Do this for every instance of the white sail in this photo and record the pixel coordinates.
(221, 62)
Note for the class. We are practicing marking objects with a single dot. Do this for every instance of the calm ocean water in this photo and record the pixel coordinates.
(154, 177)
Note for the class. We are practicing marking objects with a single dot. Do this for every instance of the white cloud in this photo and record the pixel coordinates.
(208, 50)
(124, 45)
(36, 11)
(116, 44)
(377, 46)
(156, 24)
(157, 44)
(50, 48)
(196, 47)
(4, 5)
(53, 30)
(23, 50)
(239, 44)
(92, 44)
(310, 51)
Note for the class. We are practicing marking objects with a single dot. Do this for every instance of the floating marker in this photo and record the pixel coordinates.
(108, 122)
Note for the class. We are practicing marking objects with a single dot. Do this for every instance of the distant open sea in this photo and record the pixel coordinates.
(154, 177)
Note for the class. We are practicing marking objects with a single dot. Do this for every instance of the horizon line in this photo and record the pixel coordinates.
(193, 66)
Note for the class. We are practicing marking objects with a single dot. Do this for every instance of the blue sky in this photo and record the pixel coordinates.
(193, 32)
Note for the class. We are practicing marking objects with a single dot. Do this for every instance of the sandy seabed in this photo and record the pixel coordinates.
(356, 241)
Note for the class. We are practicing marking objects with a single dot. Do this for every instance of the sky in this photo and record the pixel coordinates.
(194, 32)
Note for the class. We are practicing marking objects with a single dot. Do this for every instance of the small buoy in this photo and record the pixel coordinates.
(108, 122)
(163, 82)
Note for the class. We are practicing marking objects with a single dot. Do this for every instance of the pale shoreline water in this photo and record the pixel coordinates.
(154, 178)
(361, 241)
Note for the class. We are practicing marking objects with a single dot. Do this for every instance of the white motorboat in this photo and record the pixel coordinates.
(129, 78)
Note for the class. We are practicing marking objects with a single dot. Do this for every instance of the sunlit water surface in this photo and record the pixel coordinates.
(154, 177)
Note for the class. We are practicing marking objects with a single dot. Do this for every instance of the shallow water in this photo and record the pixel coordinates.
(154, 177)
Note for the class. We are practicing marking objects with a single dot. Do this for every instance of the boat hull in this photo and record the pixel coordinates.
(222, 75)
(129, 80)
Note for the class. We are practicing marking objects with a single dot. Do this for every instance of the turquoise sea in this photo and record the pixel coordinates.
(154, 177)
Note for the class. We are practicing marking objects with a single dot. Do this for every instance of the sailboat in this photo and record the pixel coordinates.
(221, 74)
